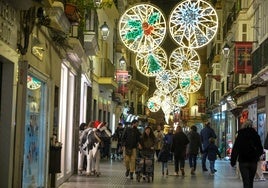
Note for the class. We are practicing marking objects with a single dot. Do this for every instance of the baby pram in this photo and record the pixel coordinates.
(145, 166)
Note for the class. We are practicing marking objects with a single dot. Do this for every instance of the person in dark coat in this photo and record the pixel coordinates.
(130, 142)
(193, 148)
(266, 142)
(212, 151)
(206, 133)
(163, 157)
(247, 150)
(178, 146)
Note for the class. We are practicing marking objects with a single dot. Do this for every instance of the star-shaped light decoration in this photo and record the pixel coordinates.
(193, 24)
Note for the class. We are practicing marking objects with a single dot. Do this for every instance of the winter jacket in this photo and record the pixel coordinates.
(212, 151)
(266, 142)
(131, 137)
(247, 147)
(206, 133)
(179, 144)
(195, 143)
(163, 155)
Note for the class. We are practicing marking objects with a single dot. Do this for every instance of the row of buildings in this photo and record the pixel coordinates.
(59, 68)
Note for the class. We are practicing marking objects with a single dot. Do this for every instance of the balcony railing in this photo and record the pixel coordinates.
(260, 58)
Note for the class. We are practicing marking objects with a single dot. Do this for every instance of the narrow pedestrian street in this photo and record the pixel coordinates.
(113, 175)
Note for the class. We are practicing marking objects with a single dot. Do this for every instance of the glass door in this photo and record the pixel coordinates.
(35, 134)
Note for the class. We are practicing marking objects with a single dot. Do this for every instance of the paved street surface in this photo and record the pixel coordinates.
(113, 175)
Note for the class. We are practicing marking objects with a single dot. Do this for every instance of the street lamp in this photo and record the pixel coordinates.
(226, 50)
(97, 2)
(104, 31)
(122, 61)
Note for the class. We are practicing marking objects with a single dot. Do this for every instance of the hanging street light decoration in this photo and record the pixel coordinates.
(150, 64)
(180, 98)
(142, 28)
(191, 84)
(184, 61)
(193, 23)
(153, 104)
(167, 81)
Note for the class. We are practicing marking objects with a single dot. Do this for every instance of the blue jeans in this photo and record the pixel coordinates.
(248, 171)
(192, 161)
(212, 166)
(164, 166)
(204, 158)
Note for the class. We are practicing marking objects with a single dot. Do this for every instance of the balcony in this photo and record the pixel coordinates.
(106, 77)
(260, 63)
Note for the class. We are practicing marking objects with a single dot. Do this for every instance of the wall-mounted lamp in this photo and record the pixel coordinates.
(226, 50)
(104, 31)
(122, 61)
(97, 2)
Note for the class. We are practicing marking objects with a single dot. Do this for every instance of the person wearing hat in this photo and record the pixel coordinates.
(130, 142)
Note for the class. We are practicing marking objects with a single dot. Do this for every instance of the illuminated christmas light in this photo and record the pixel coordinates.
(142, 28)
(150, 64)
(193, 24)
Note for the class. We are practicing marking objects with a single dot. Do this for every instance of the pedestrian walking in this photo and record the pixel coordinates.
(212, 152)
(247, 150)
(130, 141)
(178, 147)
(163, 158)
(194, 147)
(159, 135)
(206, 133)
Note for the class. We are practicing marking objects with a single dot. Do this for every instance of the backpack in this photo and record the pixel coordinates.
(88, 140)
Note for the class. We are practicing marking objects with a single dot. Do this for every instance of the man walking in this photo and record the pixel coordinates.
(130, 141)
(206, 133)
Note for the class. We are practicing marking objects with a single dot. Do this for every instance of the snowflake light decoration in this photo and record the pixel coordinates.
(166, 81)
(184, 61)
(193, 24)
(142, 28)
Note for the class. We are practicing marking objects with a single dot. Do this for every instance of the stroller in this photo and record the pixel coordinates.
(145, 166)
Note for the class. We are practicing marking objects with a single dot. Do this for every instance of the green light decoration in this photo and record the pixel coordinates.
(153, 104)
(154, 66)
(136, 31)
(191, 83)
(180, 98)
(154, 17)
(152, 63)
(142, 28)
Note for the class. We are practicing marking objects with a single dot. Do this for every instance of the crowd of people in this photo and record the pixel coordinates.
(176, 146)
